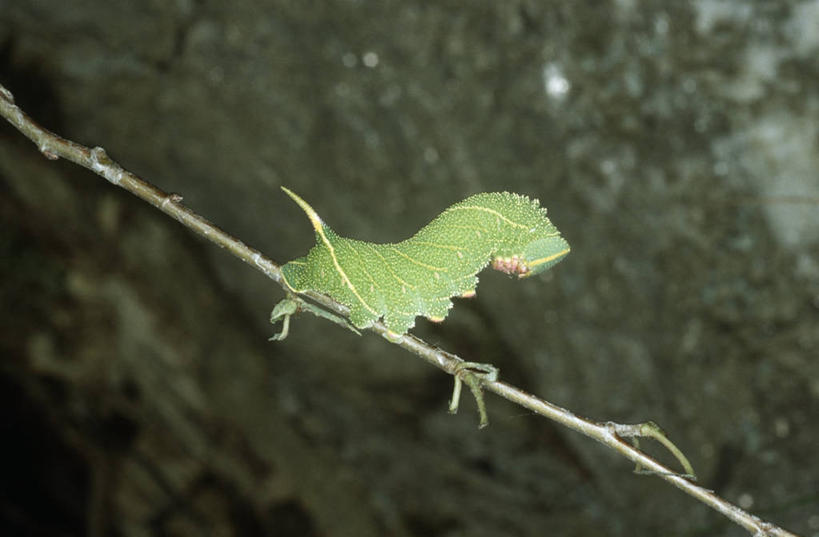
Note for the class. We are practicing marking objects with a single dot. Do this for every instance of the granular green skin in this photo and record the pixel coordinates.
(418, 276)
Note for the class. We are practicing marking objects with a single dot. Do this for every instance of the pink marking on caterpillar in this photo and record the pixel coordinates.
(510, 265)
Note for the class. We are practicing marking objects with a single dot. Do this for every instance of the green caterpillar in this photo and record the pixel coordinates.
(418, 276)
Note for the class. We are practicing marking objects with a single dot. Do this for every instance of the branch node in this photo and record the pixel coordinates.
(6, 94)
(47, 153)
(171, 199)
(99, 160)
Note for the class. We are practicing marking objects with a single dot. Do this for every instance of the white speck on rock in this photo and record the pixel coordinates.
(554, 81)
(370, 59)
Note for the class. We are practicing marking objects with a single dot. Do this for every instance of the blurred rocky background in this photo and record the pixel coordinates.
(676, 145)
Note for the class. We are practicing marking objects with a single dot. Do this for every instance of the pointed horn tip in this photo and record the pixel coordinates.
(315, 219)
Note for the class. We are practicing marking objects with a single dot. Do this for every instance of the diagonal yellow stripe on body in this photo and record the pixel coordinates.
(318, 225)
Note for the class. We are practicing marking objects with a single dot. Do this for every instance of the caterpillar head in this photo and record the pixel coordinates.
(537, 257)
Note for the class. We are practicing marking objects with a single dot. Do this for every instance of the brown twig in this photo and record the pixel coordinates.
(610, 434)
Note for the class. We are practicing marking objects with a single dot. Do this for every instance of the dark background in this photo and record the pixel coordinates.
(675, 144)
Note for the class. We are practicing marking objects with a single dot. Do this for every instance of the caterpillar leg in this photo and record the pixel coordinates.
(473, 374)
(292, 305)
(283, 310)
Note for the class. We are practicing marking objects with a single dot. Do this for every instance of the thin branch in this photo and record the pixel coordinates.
(610, 434)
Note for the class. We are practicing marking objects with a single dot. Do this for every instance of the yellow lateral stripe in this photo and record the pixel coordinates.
(550, 258)
(419, 263)
(487, 210)
(318, 225)
(342, 273)
(284, 279)
(387, 264)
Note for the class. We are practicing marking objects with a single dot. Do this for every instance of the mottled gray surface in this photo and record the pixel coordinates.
(675, 145)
